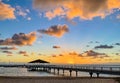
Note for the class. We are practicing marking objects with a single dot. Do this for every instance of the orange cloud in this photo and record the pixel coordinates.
(45, 5)
(82, 58)
(57, 12)
(20, 39)
(73, 53)
(56, 30)
(84, 9)
(6, 11)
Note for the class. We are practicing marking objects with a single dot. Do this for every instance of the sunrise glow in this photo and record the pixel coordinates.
(62, 31)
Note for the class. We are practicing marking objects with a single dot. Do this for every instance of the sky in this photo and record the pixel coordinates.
(60, 31)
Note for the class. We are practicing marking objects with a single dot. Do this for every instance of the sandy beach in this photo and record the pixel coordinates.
(9, 79)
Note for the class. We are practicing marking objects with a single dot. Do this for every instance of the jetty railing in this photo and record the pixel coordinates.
(98, 69)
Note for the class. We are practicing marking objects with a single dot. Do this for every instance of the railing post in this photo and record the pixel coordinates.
(76, 73)
(58, 71)
(94, 67)
(101, 68)
(110, 68)
(70, 72)
(91, 73)
(49, 70)
(54, 70)
(63, 72)
(43, 68)
(97, 75)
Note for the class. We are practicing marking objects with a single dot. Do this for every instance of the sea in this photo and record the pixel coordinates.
(15, 71)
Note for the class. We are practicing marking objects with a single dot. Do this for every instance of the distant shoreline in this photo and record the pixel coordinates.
(45, 79)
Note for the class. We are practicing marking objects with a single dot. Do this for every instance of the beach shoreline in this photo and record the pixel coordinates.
(36, 79)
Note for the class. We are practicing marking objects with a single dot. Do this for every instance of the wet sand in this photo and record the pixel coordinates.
(8, 79)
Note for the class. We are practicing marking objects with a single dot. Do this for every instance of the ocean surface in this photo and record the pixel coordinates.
(24, 72)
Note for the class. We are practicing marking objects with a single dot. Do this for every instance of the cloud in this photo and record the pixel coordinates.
(73, 53)
(8, 48)
(87, 45)
(29, 18)
(20, 39)
(116, 53)
(104, 47)
(6, 11)
(7, 52)
(61, 55)
(57, 12)
(97, 42)
(24, 53)
(9, 55)
(90, 42)
(55, 30)
(54, 56)
(80, 8)
(56, 47)
(94, 54)
(117, 44)
(39, 54)
(43, 5)
(23, 12)
(20, 11)
(118, 16)
(93, 42)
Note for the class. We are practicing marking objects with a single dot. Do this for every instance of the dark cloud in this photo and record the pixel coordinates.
(104, 47)
(7, 52)
(61, 55)
(93, 42)
(24, 53)
(56, 47)
(117, 54)
(87, 45)
(56, 30)
(94, 54)
(8, 48)
(20, 39)
(40, 54)
(53, 55)
(90, 42)
(80, 55)
(97, 42)
(117, 44)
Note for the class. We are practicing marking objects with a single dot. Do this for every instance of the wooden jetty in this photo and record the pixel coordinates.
(55, 68)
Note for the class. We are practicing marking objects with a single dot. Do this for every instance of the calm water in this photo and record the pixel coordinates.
(23, 72)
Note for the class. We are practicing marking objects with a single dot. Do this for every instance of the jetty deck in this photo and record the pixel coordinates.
(91, 69)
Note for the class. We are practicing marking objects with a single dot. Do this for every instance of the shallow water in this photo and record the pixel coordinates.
(23, 72)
